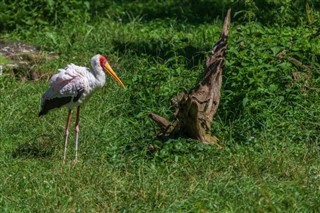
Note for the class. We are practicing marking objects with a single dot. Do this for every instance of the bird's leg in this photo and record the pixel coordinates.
(66, 134)
(77, 132)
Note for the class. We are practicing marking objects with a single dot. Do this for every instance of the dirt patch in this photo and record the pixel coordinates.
(23, 60)
(12, 48)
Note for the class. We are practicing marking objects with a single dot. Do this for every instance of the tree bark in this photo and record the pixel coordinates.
(196, 108)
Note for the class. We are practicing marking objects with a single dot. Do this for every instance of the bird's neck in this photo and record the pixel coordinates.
(99, 75)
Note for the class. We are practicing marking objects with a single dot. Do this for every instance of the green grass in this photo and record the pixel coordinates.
(268, 123)
(4, 60)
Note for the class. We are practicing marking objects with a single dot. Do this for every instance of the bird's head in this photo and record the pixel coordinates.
(107, 68)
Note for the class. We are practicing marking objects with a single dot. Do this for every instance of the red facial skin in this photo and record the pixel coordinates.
(103, 61)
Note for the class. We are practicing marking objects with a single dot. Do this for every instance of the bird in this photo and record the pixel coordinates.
(73, 86)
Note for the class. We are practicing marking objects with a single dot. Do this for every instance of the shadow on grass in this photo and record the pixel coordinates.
(164, 49)
(39, 147)
(166, 148)
(193, 12)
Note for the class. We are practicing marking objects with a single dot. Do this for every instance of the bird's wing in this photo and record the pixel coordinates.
(66, 86)
(67, 82)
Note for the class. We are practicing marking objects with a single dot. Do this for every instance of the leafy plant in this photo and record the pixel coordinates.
(21, 14)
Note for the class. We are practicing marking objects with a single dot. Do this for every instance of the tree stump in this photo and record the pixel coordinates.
(196, 108)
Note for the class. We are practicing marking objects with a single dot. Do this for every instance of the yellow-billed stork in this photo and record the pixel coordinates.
(74, 85)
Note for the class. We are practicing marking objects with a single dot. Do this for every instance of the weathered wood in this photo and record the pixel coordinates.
(196, 108)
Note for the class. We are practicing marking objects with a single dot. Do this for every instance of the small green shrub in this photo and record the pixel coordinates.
(24, 13)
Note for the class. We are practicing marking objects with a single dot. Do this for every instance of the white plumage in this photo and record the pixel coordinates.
(74, 85)
(72, 80)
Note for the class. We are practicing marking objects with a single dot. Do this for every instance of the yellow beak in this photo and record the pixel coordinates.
(110, 71)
